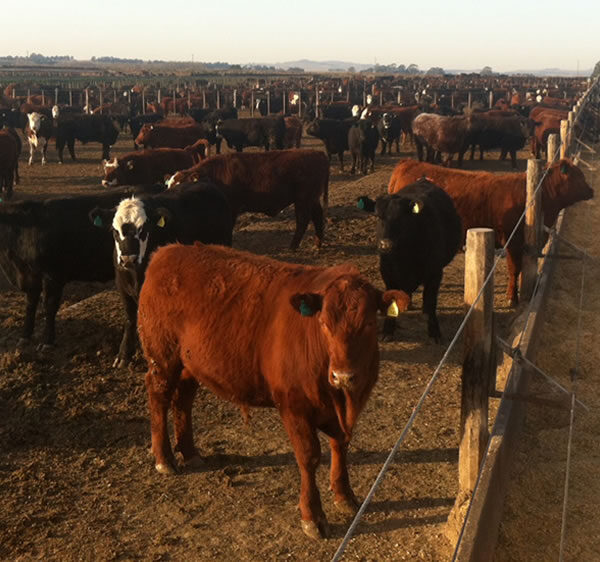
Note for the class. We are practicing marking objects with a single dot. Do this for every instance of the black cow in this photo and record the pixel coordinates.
(209, 118)
(389, 128)
(186, 213)
(12, 117)
(334, 134)
(85, 128)
(136, 123)
(418, 234)
(254, 131)
(46, 244)
(362, 142)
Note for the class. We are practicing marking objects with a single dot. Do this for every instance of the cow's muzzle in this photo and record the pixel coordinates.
(342, 380)
(128, 262)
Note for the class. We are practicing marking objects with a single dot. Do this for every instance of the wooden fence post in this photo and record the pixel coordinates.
(101, 96)
(55, 96)
(203, 98)
(218, 99)
(316, 101)
(87, 101)
(234, 97)
(477, 358)
(533, 205)
(491, 95)
(43, 98)
(268, 102)
(552, 149)
(174, 102)
(284, 102)
(300, 104)
(469, 100)
(70, 97)
(564, 138)
(143, 101)
(381, 97)
(252, 103)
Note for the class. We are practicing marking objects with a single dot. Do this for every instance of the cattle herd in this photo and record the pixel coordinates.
(306, 338)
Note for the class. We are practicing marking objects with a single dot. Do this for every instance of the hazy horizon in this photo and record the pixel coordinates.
(519, 36)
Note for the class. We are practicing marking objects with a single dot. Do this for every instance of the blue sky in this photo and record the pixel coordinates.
(506, 35)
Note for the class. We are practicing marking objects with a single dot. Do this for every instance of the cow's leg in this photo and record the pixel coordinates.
(480, 152)
(17, 177)
(344, 497)
(52, 295)
(60, 146)
(318, 222)
(31, 153)
(160, 388)
(472, 152)
(71, 147)
(106, 151)
(44, 150)
(430, 295)
(302, 219)
(420, 150)
(513, 158)
(128, 341)
(354, 159)
(218, 145)
(181, 405)
(341, 157)
(513, 264)
(33, 298)
(383, 146)
(307, 450)
(503, 154)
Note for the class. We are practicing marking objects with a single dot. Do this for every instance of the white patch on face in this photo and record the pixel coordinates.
(295, 99)
(130, 211)
(369, 99)
(538, 99)
(55, 112)
(170, 182)
(364, 113)
(355, 110)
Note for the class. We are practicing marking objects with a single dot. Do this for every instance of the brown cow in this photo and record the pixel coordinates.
(544, 122)
(9, 161)
(267, 182)
(301, 339)
(169, 136)
(151, 165)
(293, 132)
(497, 201)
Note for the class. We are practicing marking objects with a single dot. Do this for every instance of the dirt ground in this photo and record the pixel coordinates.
(76, 477)
(532, 522)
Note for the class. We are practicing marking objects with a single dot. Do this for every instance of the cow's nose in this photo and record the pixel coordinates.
(385, 245)
(128, 260)
(342, 380)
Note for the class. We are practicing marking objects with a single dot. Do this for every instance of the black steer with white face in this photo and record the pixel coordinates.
(186, 214)
(418, 234)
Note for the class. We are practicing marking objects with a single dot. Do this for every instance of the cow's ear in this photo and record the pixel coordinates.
(364, 203)
(307, 304)
(393, 302)
(102, 218)
(130, 164)
(381, 205)
(162, 216)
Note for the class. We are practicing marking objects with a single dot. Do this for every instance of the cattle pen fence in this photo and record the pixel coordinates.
(484, 457)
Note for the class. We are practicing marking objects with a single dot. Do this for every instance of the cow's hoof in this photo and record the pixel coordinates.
(194, 462)
(315, 531)
(347, 506)
(386, 337)
(119, 363)
(45, 348)
(165, 468)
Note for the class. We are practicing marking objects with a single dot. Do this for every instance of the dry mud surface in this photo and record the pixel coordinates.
(76, 477)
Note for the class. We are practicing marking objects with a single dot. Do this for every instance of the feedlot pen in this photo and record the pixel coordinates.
(76, 476)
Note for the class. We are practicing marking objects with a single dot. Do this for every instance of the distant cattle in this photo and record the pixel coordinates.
(253, 131)
(39, 130)
(334, 134)
(418, 234)
(84, 128)
(363, 139)
(9, 161)
(497, 201)
(136, 123)
(505, 130)
(440, 134)
(151, 165)
(46, 244)
(262, 333)
(140, 224)
(170, 135)
(268, 182)
(389, 128)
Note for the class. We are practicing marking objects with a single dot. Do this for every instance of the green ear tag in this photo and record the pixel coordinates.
(98, 221)
(161, 222)
(305, 310)
(564, 169)
(392, 310)
(361, 204)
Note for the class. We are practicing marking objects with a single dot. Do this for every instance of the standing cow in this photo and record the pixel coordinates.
(362, 142)
(85, 128)
(301, 339)
(9, 161)
(140, 224)
(497, 201)
(418, 234)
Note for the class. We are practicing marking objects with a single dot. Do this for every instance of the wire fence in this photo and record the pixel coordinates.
(385, 467)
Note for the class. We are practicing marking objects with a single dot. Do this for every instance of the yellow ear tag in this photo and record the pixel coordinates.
(416, 210)
(161, 222)
(393, 310)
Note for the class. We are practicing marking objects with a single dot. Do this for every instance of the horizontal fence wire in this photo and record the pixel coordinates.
(351, 530)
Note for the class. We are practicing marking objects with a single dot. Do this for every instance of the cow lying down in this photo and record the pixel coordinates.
(262, 333)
